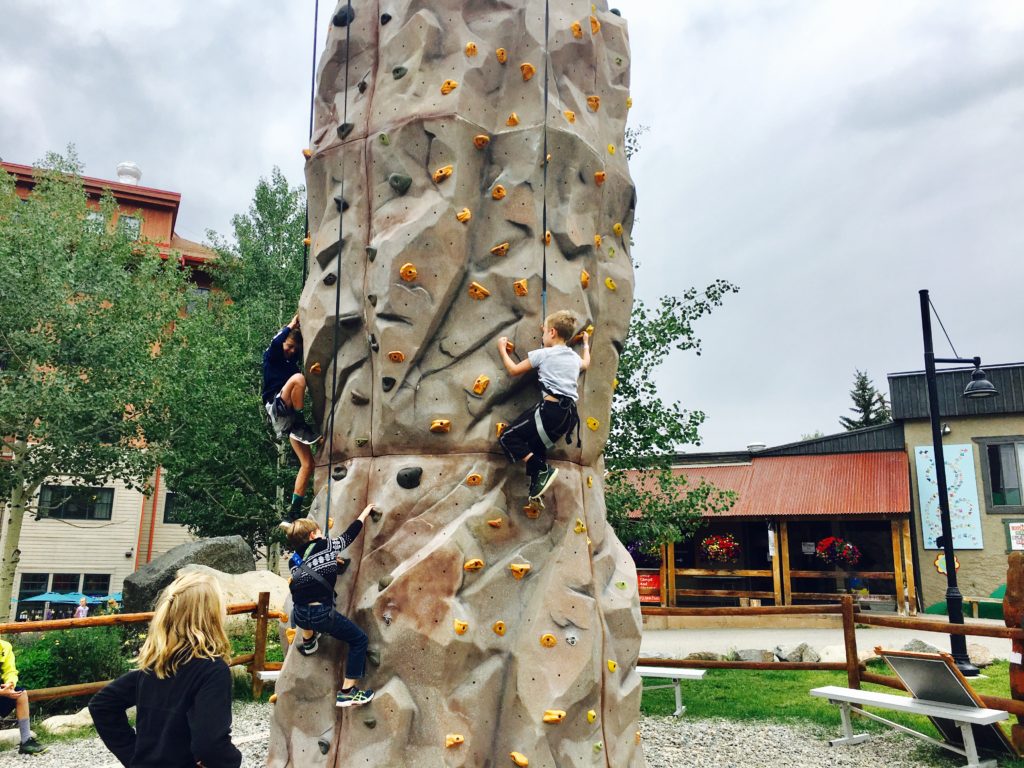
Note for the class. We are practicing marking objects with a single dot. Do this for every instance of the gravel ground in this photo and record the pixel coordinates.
(668, 743)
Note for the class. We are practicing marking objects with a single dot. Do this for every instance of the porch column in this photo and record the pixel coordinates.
(776, 565)
(908, 566)
(787, 582)
(671, 569)
(664, 575)
(897, 565)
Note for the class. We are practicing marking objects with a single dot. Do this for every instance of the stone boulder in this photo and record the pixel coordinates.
(62, 724)
(228, 554)
(704, 656)
(797, 653)
(920, 646)
(980, 655)
(753, 654)
(246, 588)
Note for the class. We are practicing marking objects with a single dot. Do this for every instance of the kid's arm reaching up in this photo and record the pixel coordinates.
(513, 368)
(586, 352)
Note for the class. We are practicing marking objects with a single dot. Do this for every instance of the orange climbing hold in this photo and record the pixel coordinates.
(307, 153)
(548, 640)
(519, 759)
(443, 173)
(519, 570)
(547, 237)
(513, 120)
(471, 49)
(454, 740)
(532, 511)
(554, 716)
(464, 215)
(577, 29)
(595, 25)
(477, 291)
(290, 634)
(481, 384)
(441, 425)
(307, 241)
(500, 427)
(528, 70)
(629, 102)
(448, 86)
(570, 115)
(500, 250)
(510, 347)
(520, 287)
(585, 278)
(501, 55)
(593, 103)
(496, 522)
(315, 368)
(481, 140)
(499, 628)
(498, 193)
(460, 626)
(599, 177)
(474, 479)
(476, 564)
(396, 356)
(408, 272)
(597, 241)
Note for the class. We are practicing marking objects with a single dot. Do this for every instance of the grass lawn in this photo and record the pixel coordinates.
(736, 694)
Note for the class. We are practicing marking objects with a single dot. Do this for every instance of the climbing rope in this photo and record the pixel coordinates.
(544, 161)
(312, 95)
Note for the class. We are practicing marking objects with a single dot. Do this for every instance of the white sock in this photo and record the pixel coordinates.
(26, 732)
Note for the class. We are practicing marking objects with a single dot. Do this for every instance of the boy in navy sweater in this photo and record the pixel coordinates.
(284, 394)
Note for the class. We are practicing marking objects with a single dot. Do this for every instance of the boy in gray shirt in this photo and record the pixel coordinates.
(536, 430)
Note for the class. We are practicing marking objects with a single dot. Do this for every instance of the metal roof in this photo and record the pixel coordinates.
(909, 393)
(884, 437)
(850, 484)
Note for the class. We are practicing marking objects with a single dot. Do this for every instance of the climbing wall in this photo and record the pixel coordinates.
(499, 635)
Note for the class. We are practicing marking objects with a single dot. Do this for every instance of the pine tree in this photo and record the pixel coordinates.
(870, 405)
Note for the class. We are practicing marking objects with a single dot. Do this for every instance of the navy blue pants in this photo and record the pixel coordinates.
(323, 618)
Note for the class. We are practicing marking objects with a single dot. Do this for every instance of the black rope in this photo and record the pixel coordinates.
(337, 286)
(936, 313)
(312, 95)
(544, 211)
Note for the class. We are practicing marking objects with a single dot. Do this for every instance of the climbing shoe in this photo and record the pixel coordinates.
(542, 481)
(31, 747)
(354, 697)
(309, 647)
(304, 433)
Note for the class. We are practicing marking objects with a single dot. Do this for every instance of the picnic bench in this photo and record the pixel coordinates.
(977, 602)
(675, 675)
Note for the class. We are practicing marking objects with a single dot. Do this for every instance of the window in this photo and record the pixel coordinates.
(171, 509)
(198, 296)
(1004, 463)
(130, 226)
(66, 502)
(96, 584)
(33, 584)
(65, 582)
(94, 221)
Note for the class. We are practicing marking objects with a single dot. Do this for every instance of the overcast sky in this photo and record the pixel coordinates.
(830, 158)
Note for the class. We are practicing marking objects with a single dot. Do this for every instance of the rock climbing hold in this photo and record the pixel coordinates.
(618, 61)
(629, 102)
(358, 398)
(547, 237)
(593, 103)
(548, 640)
(385, 18)
(590, 481)
(340, 472)
(408, 272)
(362, 442)
(399, 72)
(443, 173)
(441, 425)
(570, 115)
(409, 477)
(376, 515)
(520, 287)
(592, 423)
(611, 251)
(477, 291)
(597, 241)
(330, 523)
(611, 149)
(519, 570)
(307, 240)
(315, 368)
(615, 384)
(501, 55)
(399, 182)
(621, 584)
(384, 139)
(341, 203)
(290, 634)
(481, 140)
(387, 383)
(464, 215)
(498, 193)
(273, 698)
(610, 284)
(370, 722)
(595, 25)
(510, 347)
(591, 716)
(585, 278)
(513, 120)
(453, 740)
(500, 427)
(307, 153)
(373, 656)
(496, 522)
(476, 564)
(460, 626)
(371, 252)
(384, 583)
(598, 746)
(617, 229)
(519, 759)
(612, 665)
(345, 129)
(373, 343)
(528, 70)
(637, 736)
(474, 479)
(532, 511)
(554, 716)
(599, 177)
(499, 628)
(581, 527)
(481, 384)
(577, 29)
(471, 49)
(345, 16)
(448, 86)
(570, 639)
(501, 249)
(330, 278)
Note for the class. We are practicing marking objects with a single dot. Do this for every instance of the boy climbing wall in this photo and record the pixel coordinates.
(284, 393)
(537, 429)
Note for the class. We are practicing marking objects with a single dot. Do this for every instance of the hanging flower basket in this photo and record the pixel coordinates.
(721, 548)
(836, 551)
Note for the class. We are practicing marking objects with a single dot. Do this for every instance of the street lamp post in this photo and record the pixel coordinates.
(979, 387)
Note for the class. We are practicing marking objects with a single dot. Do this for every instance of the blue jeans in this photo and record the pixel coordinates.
(323, 618)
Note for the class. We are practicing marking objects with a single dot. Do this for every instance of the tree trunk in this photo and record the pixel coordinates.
(11, 554)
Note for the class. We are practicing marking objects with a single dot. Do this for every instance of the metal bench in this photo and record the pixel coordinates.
(675, 675)
(269, 675)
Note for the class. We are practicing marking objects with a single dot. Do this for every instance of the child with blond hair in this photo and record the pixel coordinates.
(182, 687)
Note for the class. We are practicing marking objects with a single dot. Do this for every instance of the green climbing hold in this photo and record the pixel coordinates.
(400, 182)
(399, 72)
(384, 140)
(362, 441)
(370, 722)
(620, 584)
(373, 656)
(385, 583)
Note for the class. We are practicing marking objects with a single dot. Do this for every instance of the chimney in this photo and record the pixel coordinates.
(756, 446)
(128, 173)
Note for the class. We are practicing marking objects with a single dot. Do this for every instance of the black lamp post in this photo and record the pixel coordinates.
(978, 388)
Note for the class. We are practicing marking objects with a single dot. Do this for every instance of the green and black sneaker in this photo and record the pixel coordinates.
(542, 481)
(31, 747)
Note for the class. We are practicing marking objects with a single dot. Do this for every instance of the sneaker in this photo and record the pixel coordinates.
(308, 647)
(31, 747)
(542, 481)
(304, 433)
(355, 697)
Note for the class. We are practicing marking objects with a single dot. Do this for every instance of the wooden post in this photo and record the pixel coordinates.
(260, 651)
(850, 641)
(787, 583)
(897, 565)
(664, 576)
(777, 567)
(671, 569)
(1013, 612)
(908, 567)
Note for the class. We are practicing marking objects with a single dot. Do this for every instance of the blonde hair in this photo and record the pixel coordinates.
(298, 533)
(563, 322)
(188, 624)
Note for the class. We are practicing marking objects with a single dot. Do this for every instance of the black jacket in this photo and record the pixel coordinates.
(180, 720)
(277, 368)
(321, 557)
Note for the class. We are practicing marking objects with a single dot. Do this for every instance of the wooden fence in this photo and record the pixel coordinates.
(255, 662)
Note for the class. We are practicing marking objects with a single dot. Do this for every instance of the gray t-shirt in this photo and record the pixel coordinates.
(558, 368)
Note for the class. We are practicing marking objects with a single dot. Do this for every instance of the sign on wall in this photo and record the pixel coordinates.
(962, 483)
(1014, 535)
(649, 584)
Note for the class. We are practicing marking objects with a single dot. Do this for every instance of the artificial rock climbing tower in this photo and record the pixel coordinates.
(498, 636)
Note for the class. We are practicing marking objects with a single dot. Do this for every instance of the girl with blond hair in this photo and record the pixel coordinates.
(182, 687)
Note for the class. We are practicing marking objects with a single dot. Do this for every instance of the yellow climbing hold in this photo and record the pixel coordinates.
(481, 140)
(330, 523)
(454, 740)
(441, 425)
(593, 103)
(513, 120)
(499, 428)
(548, 640)
(528, 70)
(597, 241)
(554, 716)
(443, 173)
(519, 759)
(591, 716)
(617, 229)
(448, 86)
(615, 384)
(481, 384)
(547, 237)
(477, 291)
(307, 241)
(499, 628)
(498, 193)
(474, 479)
(464, 215)
(629, 102)
(581, 527)
(610, 284)
(408, 272)
(570, 115)
(599, 177)
(475, 564)
(611, 149)
(520, 287)
(273, 698)
(585, 278)
(500, 250)
(471, 49)
(460, 626)
(590, 481)
(502, 55)
(638, 737)
(307, 153)
(396, 356)
(612, 665)
(510, 347)
(532, 511)
(595, 25)
(496, 522)
(519, 570)
(593, 423)
(290, 634)
(577, 29)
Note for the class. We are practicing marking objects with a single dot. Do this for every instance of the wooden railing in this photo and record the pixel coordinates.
(255, 662)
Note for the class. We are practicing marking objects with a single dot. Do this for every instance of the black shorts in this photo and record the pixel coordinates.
(7, 705)
(521, 437)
